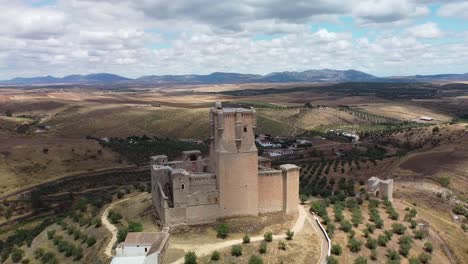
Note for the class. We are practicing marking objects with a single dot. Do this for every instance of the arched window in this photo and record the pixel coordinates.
(193, 157)
(183, 186)
(245, 129)
(146, 249)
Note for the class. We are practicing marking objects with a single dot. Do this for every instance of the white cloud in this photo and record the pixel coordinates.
(427, 30)
(457, 9)
(135, 38)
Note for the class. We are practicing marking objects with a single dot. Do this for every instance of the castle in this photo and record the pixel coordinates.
(380, 188)
(232, 182)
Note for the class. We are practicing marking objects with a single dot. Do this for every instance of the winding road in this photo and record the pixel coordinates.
(109, 226)
(205, 249)
(304, 216)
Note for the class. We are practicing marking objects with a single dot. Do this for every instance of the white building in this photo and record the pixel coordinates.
(142, 248)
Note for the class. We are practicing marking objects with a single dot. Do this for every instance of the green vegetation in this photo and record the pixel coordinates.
(281, 245)
(246, 239)
(268, 236)
(254, 259)
(114, 217)
(289, 235)
(215, 256)
(360, 260)
(354, 245)
(137, 149)
(263, 247)
(135, 227)
(398, 228)
(424, 258)
(236, 251)
(336, 250)
(20, 237)
(444, 181)
(332, 260)
(222, 231)
(190, 258)
(428, 247)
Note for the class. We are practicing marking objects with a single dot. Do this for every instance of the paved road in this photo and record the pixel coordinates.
(304, 216)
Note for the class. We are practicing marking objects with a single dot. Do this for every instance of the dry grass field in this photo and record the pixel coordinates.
(26, 160)
(405, 111)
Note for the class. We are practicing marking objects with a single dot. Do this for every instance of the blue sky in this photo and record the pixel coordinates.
(134, 38)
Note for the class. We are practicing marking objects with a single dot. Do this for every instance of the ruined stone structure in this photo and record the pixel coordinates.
(380, 188)
(232, 181)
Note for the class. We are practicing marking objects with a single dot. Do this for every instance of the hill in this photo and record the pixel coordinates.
(309, 76)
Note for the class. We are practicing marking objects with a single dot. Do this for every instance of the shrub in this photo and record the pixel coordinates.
(424, 258)
(289, 234)
(90, 241)
(444, 181)
(222, 231)
(134, 227)
(330, 230)
(114, 217)
(360, 260)
(263, 247)
(382, 240)
(50, 234)
(354, 245)
(97, 223)
(393, 255)
(281, 245)
(346, 226)
(268, 236)
(336, 250)
(405, 240)
(332, 260)
(190, 258)
(38, 253)
(414, 260)
(371, 243)
(356, 217)
(255, 260)
(370, 228)
(303, 198)
(398, 228)
(121, 235)
(16, 255)
(373, 255)
(413, 224)
(49, 258)
(120, 195)
(404, 249)
(420, 234)
(215, 256)
(25, 261)
(236, 251)
(428, 247)
(246, 239)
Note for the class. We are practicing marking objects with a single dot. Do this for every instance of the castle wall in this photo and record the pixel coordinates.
(270, 191)
(290, 188)
(159, 201)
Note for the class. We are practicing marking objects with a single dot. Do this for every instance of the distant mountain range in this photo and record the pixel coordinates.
(325, 75)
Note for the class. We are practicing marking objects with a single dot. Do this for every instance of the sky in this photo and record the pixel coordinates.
(155, 37)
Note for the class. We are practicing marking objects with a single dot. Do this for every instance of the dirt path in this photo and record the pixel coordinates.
(112, 229)
(205, 249)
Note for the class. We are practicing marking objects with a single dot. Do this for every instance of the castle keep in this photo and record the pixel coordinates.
(231, 182)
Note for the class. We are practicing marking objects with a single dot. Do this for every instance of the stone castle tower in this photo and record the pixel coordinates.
(234, 159)
(230, 182)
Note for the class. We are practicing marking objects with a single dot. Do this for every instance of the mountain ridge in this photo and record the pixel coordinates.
(323, 75)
